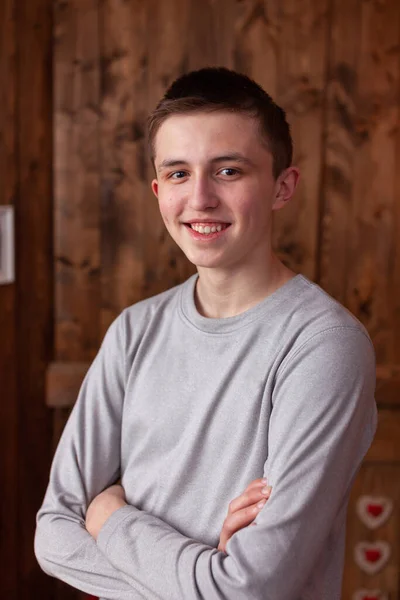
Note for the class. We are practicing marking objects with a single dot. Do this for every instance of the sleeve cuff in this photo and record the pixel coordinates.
(113, 523)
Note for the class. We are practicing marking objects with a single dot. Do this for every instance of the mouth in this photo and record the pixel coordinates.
(207, 228)
(206, 231)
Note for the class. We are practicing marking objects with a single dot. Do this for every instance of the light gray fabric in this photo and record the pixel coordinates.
(189, 410)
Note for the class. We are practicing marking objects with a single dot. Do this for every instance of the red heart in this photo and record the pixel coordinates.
(372, 555)
(375, 510)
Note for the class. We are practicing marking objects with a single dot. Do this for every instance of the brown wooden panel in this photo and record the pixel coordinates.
(359, 244)
(63, 382)
(76, 62)
(377, 481)
(302, 46)
(340, 147)
(9, 543)
(371, 243)
(256, 31)
(386, 444)
(124, 45)
(394, 264)
(34, 278)
(388, 385)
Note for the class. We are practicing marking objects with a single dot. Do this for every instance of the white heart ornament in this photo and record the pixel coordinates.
(369, 595)
(373, 511)
(371, 557)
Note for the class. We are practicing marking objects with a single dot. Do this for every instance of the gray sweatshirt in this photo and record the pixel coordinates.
(188, 410)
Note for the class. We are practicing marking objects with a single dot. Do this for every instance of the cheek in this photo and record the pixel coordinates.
(167, 209)
(248, 207)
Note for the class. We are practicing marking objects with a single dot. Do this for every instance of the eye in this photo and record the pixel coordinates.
(177, 175)
(229, 171)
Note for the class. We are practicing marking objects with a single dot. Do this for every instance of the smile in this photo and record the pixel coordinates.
(209, 230)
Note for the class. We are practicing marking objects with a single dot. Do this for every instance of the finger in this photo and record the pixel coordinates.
(239, 520)
(242, 518)
(248, 498)
(256, 483)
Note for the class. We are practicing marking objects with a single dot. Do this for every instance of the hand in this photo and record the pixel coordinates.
(102, 507)
(243, 510)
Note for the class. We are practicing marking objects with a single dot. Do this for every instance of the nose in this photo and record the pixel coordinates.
(202, 194)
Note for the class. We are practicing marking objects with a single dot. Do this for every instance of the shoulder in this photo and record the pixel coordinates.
(315, 322)
(315, 311)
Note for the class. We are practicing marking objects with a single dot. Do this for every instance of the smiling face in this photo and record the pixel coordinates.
(213, 170)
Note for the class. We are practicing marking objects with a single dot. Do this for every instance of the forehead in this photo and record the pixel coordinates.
(195, 135)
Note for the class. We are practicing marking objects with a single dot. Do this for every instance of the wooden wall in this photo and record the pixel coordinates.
(334, 65)
(26, 316)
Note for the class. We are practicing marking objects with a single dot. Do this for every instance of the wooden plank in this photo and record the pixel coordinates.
(124, 174)
(393, 297)
(388, 385)
(372, 244)
(203, 40)
(9, 543)
(301, 33)
(374, 481)
(385, 446)
(63, 382)
(255, 42)
(76, 178)
(34, 277)
(340, 147)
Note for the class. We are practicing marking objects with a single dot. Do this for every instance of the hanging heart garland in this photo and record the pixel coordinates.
(371, 557)
(373, 511)
(369, 595)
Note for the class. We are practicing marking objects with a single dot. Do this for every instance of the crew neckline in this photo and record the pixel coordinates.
(190, 313)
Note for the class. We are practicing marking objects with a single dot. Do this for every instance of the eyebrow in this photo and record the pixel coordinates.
(231, 157)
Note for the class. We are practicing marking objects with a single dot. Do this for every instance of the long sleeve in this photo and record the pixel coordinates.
(87, 460)
(322, 423)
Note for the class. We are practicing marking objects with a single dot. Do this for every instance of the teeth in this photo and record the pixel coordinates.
(207, 229)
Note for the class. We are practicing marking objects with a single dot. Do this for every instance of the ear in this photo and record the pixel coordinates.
(285, 187)
(154, 187)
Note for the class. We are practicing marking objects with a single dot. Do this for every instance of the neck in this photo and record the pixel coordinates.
(220, 294)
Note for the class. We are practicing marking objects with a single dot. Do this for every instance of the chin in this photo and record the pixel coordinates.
(206, 264)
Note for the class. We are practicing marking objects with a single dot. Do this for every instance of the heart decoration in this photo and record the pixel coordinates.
(371, 557)
(373, 511)
(369, 595)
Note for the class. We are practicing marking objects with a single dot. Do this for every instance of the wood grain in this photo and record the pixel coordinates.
(63, 382)
(124, 171)
(340, 147)
(9, 412)
(34, 299)
(301, 66)
(386, 447)
(76, 63)
(371, 243)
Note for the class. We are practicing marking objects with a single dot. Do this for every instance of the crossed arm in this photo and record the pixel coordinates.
(241, 511)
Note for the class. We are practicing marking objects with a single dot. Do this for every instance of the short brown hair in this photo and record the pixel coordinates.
(217, 88)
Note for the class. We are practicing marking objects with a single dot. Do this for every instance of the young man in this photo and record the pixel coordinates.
(245, 370)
